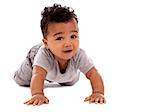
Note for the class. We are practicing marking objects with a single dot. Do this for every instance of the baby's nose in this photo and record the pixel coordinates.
(68, 43)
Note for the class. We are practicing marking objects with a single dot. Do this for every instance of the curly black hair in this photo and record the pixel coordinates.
(56, 14)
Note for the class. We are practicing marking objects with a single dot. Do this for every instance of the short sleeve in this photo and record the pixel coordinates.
(43, 59)
(84, 63)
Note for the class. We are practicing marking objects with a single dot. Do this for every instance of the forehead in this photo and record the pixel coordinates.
(63, 27)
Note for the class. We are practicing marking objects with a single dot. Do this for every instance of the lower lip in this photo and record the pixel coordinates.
(68, 52)
(68, 55)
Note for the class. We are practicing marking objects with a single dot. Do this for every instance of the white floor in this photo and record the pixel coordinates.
(61, 98)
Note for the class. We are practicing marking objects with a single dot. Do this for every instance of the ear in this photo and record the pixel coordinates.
(45, 42)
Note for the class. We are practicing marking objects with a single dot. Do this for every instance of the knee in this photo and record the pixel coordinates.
(20, 81)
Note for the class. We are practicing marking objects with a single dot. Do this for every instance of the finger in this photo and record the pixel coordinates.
(30, 102)
(102, 100)
(26, 101)
(40, 102)
(87, 99)
(46, 101)
(35, 102)
(97, 100)
(91, 100)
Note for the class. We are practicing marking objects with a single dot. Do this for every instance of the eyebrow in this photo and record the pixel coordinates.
(63, 32)
(74, 31)
(58, 33)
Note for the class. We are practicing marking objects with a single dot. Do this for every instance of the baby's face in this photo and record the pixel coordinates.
(63, 39)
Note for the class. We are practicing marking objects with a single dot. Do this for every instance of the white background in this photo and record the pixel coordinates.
(115, 34)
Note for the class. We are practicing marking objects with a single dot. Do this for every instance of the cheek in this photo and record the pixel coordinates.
(55, 47)
(76, 46)
(77, 43)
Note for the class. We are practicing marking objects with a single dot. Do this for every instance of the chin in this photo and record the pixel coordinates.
(67, 58)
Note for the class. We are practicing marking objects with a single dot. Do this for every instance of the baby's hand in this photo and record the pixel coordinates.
(37, 99)
(96, 98)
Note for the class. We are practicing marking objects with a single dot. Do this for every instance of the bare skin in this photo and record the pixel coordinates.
(37, 99)
(97, 95)
(62, 37)
(37, 87)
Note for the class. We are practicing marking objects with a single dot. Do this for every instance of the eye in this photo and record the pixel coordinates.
(73, 36)
(59, 38)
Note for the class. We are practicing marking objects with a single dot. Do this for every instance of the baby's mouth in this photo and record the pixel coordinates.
(67, 51)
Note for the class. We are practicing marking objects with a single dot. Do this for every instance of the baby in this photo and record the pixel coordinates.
(59, 58)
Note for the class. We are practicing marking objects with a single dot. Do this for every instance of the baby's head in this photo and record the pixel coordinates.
(60, 31)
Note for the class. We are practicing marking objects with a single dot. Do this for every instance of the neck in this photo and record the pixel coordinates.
(62, 64)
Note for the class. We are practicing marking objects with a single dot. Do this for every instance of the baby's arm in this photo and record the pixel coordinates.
(37, 87)
(97, 87)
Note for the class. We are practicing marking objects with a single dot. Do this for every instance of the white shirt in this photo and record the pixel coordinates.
(80, 62)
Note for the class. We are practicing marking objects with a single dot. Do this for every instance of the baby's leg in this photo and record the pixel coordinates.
(24, 73)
